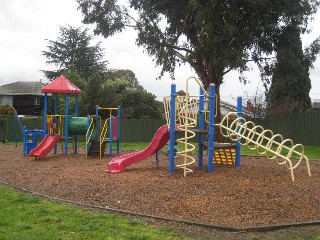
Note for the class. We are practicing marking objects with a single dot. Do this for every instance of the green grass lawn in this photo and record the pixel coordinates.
(134, 146)
(312, 152)
(27, 217)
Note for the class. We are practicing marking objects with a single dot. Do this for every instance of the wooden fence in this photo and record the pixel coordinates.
(301, 127)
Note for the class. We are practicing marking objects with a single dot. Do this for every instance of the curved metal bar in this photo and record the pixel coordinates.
(263, 141)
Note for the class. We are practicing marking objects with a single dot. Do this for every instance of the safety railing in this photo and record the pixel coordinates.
(103, 134)
(89, 134)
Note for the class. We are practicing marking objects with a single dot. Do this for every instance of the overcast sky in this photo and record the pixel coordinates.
(25, 24)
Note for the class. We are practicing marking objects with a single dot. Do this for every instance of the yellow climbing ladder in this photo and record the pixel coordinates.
(264, 141)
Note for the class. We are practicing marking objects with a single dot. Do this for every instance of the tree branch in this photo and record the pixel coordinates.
(187, 32)
(226, 71)
(260, 59)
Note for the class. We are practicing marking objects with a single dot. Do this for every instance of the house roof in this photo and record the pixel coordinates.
(61, 85)
(224, 105)
(232, 107)
(316, 104)
(22, 88)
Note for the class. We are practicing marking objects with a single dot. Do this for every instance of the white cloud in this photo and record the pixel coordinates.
(25, 24)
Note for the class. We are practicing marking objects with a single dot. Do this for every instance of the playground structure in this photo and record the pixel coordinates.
(187, 115)
(191, 115)
(159, 140)
(184, 120)
(29, 137)
(96, 133)
(67, 127)
(180, 110)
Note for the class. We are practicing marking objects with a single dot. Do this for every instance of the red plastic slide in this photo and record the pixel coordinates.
(160, 139)
(45, 146)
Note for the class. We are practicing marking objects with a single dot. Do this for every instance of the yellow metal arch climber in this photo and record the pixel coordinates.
(264, 141)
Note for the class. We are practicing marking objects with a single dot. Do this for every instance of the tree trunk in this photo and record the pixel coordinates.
(217, 81)
(217, 119)
(207, 76)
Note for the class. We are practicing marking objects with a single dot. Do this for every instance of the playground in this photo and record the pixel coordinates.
(208, 189)
(257, 194)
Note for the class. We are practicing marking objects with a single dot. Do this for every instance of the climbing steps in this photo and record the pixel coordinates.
(94, 149)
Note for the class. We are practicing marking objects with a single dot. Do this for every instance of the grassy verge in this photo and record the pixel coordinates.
(312, 152)
(26, 217)
(134, 146)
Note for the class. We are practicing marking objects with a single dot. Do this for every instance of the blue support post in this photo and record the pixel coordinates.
(19, 122)
(55, 118)
(22, 131)
(66, 126)
(97, 122)
(118, 140)
(210, 167)
(238, 145)
(111, 134)
(172, 126)
(97, 110)
(45, 113)
(201, 127)
(76, 114)
(24, 141)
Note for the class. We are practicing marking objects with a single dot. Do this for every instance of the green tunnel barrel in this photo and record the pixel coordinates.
(78, 125)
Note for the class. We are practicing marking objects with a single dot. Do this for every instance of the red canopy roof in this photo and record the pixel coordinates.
(61, 85)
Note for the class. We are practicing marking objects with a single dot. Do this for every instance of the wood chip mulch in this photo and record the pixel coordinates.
(260, 192)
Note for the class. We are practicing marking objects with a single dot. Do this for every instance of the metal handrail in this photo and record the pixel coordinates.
(103, 133)
(89, 134)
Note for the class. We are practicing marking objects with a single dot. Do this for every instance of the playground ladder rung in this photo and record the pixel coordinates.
(108, 139)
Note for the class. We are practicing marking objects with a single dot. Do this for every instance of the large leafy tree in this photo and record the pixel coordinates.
(74, 56)
(123, 89)
(112, 91)
(140, 104)
(126, 75)
(290, 87)
(289, 73)
(73, 50)
(213, 36)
